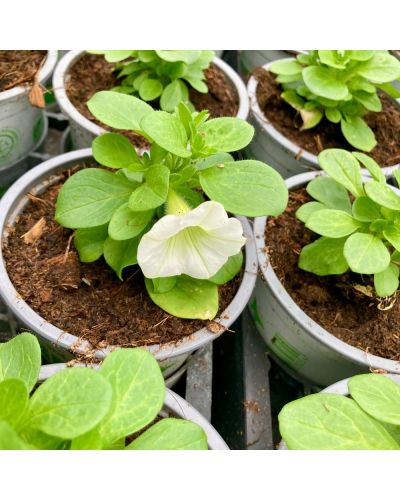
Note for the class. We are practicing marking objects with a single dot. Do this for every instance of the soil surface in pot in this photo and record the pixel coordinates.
(331, 301)
(18, 67)
(386, 124)
(92, 73)
(88, 300)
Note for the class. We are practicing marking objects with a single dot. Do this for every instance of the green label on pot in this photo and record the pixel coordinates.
(9, 141)
(255, 314)
(286, 352)
(38, 129)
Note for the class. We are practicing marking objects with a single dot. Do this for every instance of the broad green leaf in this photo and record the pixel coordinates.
(9, 439)
(70, 403)
(229, 270)
(324, 82)
(285, 67)
(387, 281)
(366, 210)
(343, 168)
(383, 195)
(396, 175)
(292, 98)
(114, 151)
(162, 285)
(210, 161)
(173, 94)
(331, 58)
(378, 396)
(117, 110)
(226, 134)
(324, 257)
(361, 55)
(171, 434)
(13, 401)
(370, 164)
(167, 131)
(358, 133)
(369, 100)
(90, 197)
(126, 224)
(310, 118)
(331, 422)
(150, 89)
(366, 254)
(89, 242)
(120, 254)
(390, 89)
(392, 234)
(187, 56)
(190, 298)
(305, 211)
(20, 358)
(332, 223)
(153, 192)
(381, 68)
(330, 193)
(113, 55)
(333, 115)
(246, 187)
(41, 441)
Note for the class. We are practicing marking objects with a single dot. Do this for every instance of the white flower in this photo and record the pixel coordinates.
(197, 243)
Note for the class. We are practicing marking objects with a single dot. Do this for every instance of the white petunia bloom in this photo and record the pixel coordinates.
(197, 243)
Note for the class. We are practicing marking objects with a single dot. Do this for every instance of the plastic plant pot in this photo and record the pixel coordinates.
(301, 346)
(272, 147)
(21, 124)
(83, 131)
(56, 343)
(174, 406)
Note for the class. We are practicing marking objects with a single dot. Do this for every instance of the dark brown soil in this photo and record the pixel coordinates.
(331, 301)
(18, 67)
(386, 124)
(92, 73)
(88, 300)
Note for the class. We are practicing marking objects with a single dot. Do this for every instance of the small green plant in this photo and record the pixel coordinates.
(160, 74)
(153, 211)
(361, 233)
(369, 420)
(340, 85)
(86, 409)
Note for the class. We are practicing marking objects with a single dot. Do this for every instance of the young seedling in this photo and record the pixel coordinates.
(369, 420)
(361, 232)
(340, 85)
(167, 210)
(86, 409)
(160, 74)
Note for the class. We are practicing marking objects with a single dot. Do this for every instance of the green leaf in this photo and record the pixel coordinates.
(150, 89)
(387, 281)
(226, 134)
(332, 223)
(153, 192)
(292, 98)
(187, 56)
(383, 195)
(70, 403)
(324, 82)
(324, 257)
(331, 58)
(358, 133)
(370, 164)
(120, 254)
(310, 118)
(114, 151)
(212, 160)
(114, 55)
(9, 439)
(366, 210)
(366, 254)
(173, 94)
(361, 55)
(190, 298)
(392, 234)
(330, 193)
(13, 401)
(90, 197)
(117, 110)
(285, 67)
(368, 100)
(41, 441)
(229, 270)
(343, 168)
(167, 131)
(126, 224)
(246, 187)
(162, 285)
(305, 211)
(20, 358)
(331, 422)
(171, 434)
(333, 115)
(90, 242)
(381, 68)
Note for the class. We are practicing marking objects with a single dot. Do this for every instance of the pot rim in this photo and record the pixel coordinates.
(39, 178)
(69, 109)
(295, 312)
(44, 74)
(172, 403)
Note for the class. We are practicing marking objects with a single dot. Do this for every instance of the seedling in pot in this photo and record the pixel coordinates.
(369, 420)
(340, 85)
(359, 222)
(160, 74)
(167, 210)
(83, 408)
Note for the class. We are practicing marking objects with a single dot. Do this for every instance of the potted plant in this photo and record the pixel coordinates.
(192, 281)
(80, 74)
(115, 407)
(360, 413)
(23, 125)
(327, 307)
(324, 99)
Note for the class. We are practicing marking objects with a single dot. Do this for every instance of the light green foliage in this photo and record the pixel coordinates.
(160, 74)
(370, 420)
(362, 235)
(341, 85)
(82, 408)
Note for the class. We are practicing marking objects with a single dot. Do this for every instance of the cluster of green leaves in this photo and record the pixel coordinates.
(369, 420)
(361, 233)
(189, 155)
(86, 409)
(160, 74)
(340, 85)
